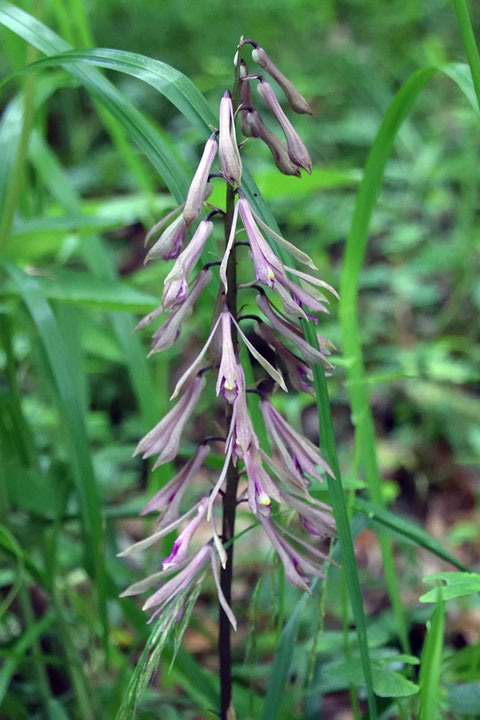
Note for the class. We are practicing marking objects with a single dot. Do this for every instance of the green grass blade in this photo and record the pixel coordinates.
(21, 646)
(171, 83)
(429, 680)
(468, 38)
(71, 411)
(337, 498)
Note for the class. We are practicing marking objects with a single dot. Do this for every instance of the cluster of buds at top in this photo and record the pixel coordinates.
(274, 481)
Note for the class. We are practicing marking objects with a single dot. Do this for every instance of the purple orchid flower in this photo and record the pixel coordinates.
(169, 243)
(168, 332)
(297, 151)
(255, 127)
(267, 265)
(297, 566)
(168, 499)
(241, 436)
(228, 153)
(293, 332)
(298, 454)
(198, 188)
(182, 543)
(165, 437)
(176, 282)
(228, 381)
(299, 372)
(261, 487)
(295, 99)
(173, 589)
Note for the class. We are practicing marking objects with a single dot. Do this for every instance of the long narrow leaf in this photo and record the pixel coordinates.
(136, 125)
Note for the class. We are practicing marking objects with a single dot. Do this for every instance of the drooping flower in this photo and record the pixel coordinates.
(316, 517)
(298, 454)
(255, 127)
(168, 332)
(176, 283)
(170, 242)
(180, 546)
(297, 151)
(299, 372)
(167, 500)
(165, 437)
(246, 102)
(196, 194)
(270, 271)
(241, 435)
(174, 588)
(227, 381)
(267, 265)
(228, 153)
(295, 99)
(297, 566)
(261, 487)
(293, 332)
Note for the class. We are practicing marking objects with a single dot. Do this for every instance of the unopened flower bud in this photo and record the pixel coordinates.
(297, 151)
(170, 242)
(279, 150)
(198, 187)
(246, 100)
(295, 99)
(228, 153)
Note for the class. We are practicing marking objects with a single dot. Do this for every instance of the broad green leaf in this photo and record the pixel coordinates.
(31, 491)
(386, 683)
(457, 585)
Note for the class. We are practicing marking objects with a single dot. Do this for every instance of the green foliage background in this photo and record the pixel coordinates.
(76, 393)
